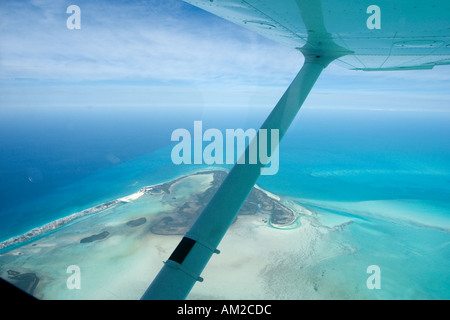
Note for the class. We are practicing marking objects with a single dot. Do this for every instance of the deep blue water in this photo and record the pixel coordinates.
(56, 161)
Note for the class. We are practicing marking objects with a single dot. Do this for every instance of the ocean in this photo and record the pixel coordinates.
(380, 177)
(56, 162)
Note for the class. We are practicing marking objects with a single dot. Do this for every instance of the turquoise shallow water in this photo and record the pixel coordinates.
(413, 257)
(379, 180)
(387, 173)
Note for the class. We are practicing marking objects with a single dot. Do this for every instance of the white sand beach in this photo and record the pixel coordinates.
(133, 196)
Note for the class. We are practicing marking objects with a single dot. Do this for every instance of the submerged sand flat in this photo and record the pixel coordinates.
(119, 249)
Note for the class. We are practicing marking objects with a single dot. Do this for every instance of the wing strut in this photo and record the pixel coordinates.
(183, 268)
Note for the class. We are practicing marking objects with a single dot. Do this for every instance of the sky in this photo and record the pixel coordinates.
(168, 53)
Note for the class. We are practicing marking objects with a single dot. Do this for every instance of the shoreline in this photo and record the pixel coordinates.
(161, 188)
(38, 232)
(53, 226)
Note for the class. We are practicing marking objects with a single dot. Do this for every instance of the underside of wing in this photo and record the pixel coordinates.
(387, 35)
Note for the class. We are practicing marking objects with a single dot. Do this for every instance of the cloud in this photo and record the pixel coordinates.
(165, 47)
(133, 41)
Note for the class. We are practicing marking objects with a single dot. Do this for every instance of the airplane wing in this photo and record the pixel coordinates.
(391, 35)
(410, 35)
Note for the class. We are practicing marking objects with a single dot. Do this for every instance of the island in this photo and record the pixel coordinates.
(95, 237)
(25, 281)
(136, 222)
(181, 219)
(176, 222)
